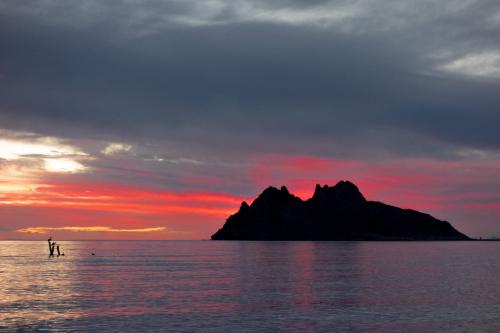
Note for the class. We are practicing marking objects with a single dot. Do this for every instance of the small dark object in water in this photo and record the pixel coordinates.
(51, 250)
(93, 253)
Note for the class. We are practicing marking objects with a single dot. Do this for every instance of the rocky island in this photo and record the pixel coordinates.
(337, 212)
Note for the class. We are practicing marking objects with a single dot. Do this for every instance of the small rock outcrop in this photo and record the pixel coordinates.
(337, 212)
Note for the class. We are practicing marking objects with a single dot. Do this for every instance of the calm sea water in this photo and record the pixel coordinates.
(208, 286)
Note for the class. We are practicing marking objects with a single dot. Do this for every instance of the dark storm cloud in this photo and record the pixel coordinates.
(253, 75)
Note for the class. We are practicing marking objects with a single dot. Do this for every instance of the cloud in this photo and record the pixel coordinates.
(179, 160)
(44, 230)
(30, 145)
(115, 148)
(358, 83)
(35, 154)
(64, 165)
(486, 64)
(120, 198)
(150, 16)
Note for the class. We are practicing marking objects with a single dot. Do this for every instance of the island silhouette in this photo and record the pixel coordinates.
(337, 212)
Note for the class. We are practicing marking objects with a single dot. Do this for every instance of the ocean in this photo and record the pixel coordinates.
(230, 286)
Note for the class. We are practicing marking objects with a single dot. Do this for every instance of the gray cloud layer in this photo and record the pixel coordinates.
(345, 77)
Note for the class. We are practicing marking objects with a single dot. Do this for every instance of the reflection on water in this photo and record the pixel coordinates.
(208, 286)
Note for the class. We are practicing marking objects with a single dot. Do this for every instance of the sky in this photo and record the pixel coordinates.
(155, 119)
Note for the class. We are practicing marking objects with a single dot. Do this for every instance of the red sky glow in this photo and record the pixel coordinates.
(37, 202)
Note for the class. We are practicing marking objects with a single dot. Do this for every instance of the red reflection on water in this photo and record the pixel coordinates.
(302, 261)
(129, 278)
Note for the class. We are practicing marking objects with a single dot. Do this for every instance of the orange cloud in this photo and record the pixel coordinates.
(114, 197)
(44, 230)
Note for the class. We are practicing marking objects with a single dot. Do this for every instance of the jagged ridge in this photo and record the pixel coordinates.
(338, 212)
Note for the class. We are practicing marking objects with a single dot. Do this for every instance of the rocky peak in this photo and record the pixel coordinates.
(272, 196)
(342, 192)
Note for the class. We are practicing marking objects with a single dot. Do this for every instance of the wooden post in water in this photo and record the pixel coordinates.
(51, 249)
